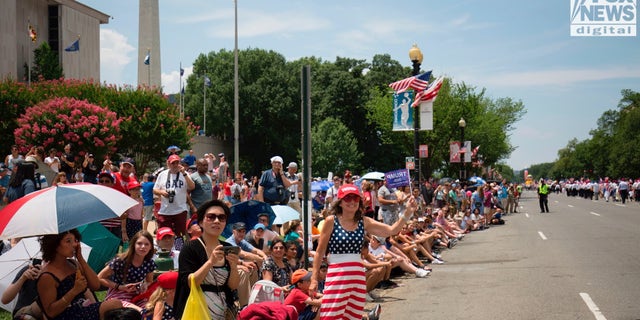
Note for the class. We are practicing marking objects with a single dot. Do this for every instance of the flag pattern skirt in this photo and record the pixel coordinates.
(345, 290)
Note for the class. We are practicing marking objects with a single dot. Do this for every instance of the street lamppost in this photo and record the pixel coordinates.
(462, 124)
(415, 55)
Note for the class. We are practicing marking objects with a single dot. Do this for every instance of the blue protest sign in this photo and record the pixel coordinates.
(397, 178)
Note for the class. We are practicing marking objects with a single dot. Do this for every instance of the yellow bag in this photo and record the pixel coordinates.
(196, 307)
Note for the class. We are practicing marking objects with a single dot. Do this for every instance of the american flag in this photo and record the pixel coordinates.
(474, 153)
(430, 93)
(32, 33)
(417, 83)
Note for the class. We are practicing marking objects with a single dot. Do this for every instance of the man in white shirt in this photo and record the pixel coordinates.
(52, 161)
(172, 186)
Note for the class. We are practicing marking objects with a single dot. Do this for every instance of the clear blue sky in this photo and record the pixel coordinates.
(517, 49)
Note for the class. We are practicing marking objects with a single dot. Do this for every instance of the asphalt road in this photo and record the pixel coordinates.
(580, 261)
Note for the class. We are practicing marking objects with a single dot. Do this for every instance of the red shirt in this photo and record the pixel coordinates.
(296, 298)
(121, 182)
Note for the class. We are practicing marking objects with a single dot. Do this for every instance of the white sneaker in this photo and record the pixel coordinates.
(437, 261)
(421, 273)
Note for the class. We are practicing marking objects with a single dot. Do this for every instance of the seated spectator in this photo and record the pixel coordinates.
(251, 261)
(128, 273)
(160, 305)
(379, 252)
(292, 252)
(166, 242)
(255, 237)
(193, 228)
(276, 268)
(24, 287)
(306, 303)
(63, 283)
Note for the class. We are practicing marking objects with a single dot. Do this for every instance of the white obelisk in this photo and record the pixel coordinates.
(149, 43)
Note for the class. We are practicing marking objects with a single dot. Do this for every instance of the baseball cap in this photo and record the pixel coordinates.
(276, 159)
(173, 157)
(90, 155)
(258, 226)
(133, 184)
(300, 275)
(128, 161)
(292, 165)
(221, 154)
(239, 226)
(164, 231)
(192, 220)
(347, 189)
(168, 280)
(380, 239)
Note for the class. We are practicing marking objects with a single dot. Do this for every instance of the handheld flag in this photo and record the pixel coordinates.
(75, 46)
(417, 83)
(207, 81)
(429, 94)
(147, 59)
(32, 33)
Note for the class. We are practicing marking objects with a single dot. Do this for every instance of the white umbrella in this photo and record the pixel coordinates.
(17, 258)
(284, 214)
(374, 175)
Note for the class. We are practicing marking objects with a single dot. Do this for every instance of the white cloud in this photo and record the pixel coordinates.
(253, 24)
(115, 55)
(559, 77)
(171, 80)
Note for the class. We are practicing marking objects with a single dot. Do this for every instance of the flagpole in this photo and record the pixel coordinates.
(149, 68)
(236, 98)
(29, 54)
(204, 106)
(180, 102)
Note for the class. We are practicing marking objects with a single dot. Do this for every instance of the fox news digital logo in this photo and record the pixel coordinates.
(603, 18)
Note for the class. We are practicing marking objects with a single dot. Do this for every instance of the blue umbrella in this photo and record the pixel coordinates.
(173, 148)
(322, 185)
(477, 181)
(247, 212)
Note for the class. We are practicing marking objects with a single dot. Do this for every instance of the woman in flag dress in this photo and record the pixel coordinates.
(341, 241)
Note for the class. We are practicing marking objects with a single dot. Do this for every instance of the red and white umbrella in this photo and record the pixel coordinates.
(58, 209)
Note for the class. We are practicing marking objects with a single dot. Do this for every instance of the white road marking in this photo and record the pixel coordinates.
(595, 214)
(542, 235)
(570, 206)
(526, 215)
(592, 306)
(620, 205)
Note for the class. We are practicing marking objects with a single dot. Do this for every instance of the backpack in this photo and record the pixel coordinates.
(236, 191)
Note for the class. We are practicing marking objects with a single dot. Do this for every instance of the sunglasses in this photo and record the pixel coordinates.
(277, 248)
(213, 217)
(104, 181)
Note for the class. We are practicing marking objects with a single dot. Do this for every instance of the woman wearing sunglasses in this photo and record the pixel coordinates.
(204, 258)
(341, 241)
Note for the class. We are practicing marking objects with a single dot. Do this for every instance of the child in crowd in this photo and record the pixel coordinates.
(165, 238)
(160, 305)
(306, 303)
(147, 196)
(132, 218)
(193, 228)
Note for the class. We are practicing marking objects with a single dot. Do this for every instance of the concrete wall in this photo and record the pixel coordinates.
(8, 41)
(85, 63)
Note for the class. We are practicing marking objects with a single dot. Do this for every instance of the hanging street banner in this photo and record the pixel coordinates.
(402, 111)
(426, 115)
(423, 151)
(397, 178)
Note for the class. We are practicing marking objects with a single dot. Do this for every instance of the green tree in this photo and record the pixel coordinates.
(334, 148)
(46, 64)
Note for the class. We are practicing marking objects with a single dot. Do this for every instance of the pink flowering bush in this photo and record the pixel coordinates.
(58, 121)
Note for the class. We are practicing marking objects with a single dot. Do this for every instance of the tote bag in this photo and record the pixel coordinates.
(196, 307)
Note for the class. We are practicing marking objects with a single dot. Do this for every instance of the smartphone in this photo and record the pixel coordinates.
(231, 249)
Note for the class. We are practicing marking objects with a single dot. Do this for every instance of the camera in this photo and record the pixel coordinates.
(172, 194)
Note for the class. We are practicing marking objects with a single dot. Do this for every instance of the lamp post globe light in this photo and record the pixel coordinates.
(462, 124)
(415, 55)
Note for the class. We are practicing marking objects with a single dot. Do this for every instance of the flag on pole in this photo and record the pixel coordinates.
(181, 72)
(147, 59)
(429, 94)
(32, 33)
(417, 83)
(207, 81)
(474, 153)
(75, 46)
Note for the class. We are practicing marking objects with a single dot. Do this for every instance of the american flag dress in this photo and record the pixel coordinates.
(344, 294)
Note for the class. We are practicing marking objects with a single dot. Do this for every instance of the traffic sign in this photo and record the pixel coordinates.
(410, 163)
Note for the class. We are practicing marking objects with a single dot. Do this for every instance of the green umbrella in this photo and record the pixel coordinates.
(104, 243)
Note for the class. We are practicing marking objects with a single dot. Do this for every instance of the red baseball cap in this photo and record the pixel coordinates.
(133, 184)
(174, 157)
(164, 231)
(168, 280)
(347, 189)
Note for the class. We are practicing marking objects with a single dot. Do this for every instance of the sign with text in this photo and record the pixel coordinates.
(397, 178)
(410, 163)
(603, 18)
